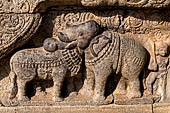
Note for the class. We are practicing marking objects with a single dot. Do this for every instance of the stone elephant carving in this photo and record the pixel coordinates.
(42, 63)
(106, 53)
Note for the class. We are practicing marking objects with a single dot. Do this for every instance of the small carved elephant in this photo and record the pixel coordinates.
(42, 63)
(106, 53)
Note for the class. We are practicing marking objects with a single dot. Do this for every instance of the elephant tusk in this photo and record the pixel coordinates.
(71, 45)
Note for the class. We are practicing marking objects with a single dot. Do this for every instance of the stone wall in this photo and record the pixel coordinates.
(25, 24)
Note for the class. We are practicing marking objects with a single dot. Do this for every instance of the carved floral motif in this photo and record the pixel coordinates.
(16, 27)
(127, 3)
(19, 6)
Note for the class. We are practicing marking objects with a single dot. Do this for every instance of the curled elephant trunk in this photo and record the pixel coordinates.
(71, 45)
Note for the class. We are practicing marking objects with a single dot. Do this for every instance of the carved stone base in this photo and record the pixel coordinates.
(147, 108)
(122, 100)
(75, 100)
(161, 108)
(80, 109)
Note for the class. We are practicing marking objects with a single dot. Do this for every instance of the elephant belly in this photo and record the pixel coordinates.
(45, 73)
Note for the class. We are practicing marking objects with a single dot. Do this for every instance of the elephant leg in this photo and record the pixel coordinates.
(131, 72)
(121, 87)
(88, 86)
(134, 88)
(101, 74)
(71, 89)
(22, 90)
(58, 78)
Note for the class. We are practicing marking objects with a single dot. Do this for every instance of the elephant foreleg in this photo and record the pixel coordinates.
(58, 78)
(99, 90)
(22, 90)
(88, 86)
(101, 74)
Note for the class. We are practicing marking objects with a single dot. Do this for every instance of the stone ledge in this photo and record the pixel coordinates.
(161, 108)
(79, 109)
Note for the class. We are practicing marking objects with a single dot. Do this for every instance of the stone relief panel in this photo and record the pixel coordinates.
(122, 34)
(150, 31)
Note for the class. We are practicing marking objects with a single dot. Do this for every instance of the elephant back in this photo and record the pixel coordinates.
(35, 58)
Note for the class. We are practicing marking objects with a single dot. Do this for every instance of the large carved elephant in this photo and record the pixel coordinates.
(42, 63)
(106, 53)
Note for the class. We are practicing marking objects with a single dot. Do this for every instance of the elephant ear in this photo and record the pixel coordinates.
(71, 45)
(50, 44)
(99, 43)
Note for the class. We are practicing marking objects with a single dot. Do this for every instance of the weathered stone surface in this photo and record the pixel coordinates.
(129, 3)
(32, 6)
(16, 29)
(161, 107)
(136, 26)
(80, 109)
(122, 100)
(129, 39)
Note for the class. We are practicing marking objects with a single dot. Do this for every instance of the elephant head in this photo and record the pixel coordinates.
(79, 35)
(51, 44)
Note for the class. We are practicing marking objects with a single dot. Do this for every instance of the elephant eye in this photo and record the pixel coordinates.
(80, 34)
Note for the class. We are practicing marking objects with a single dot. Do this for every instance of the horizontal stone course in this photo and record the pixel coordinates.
(79, 109)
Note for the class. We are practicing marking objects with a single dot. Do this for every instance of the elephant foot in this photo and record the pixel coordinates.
(87, 92)
(11, 96)
(58, 99)
(119, 92)
(23, 98)
(98, 98)
(135, 94)
(73, 93)
(147, 93)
